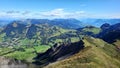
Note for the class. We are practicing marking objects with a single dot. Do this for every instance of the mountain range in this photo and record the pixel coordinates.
(65, 23)
(62, 43)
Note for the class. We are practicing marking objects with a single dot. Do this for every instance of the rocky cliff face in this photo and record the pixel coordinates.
(58, 52)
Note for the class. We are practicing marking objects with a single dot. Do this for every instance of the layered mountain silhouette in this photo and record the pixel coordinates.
(64, 23)
(99, 22)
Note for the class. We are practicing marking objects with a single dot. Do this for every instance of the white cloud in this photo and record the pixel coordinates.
(10, 12)
(61, 13)
(56, 13)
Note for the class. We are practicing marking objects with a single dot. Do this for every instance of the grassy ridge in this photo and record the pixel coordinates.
(97, 54)
(94, 30)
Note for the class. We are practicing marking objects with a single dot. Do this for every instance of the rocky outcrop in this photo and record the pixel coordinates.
(58, 52)
(11, 63)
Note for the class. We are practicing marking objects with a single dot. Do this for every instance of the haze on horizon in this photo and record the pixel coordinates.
(51, 9)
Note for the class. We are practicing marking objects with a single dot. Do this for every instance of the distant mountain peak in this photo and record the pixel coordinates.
(110, 33)
(105, 26)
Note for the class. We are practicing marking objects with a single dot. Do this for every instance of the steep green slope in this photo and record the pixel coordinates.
(89, 30)
(24, 34)
(93, 30)
(96, 54)
(117, 44)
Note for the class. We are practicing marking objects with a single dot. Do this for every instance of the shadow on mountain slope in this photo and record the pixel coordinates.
(58, 52)
(110, 33)
(95, 54)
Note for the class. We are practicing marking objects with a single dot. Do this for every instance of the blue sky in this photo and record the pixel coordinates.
(60, 8)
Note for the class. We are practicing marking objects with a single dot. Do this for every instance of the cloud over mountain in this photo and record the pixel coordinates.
(51, 14)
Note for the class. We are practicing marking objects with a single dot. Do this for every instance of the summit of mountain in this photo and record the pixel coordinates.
(111, 33)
